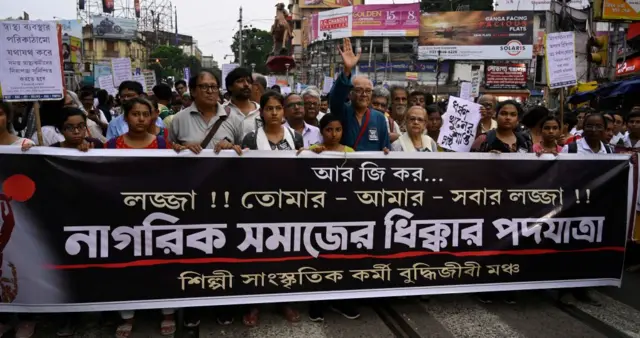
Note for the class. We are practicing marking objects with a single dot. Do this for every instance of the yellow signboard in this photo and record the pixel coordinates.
(328, 4)
(625, 10)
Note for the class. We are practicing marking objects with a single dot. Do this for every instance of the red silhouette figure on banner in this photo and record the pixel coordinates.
(18, 188)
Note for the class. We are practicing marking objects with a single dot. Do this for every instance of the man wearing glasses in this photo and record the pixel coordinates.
(365, 129)
(487, 111)
(192, 125)
(311, 98)
(294, 113)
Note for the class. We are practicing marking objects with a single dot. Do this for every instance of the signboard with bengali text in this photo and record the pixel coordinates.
(505, 75)
(374, 226)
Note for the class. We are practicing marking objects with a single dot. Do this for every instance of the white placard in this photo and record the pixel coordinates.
(271, 81)
(465, 91)
(327, 84)
(285, 90)
(459, 125)
(142, 80)
(106, 83)
(560, 50)
(475, 83)
(226, 69)
(30, 68)
(149, 78)
(121, 70)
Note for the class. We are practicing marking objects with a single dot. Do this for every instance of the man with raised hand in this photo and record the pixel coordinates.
(365, 129)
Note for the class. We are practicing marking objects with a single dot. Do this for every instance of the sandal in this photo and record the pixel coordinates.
(25, 329)
(251, 319)
(167, 327)
(124, 330)
(291, 314)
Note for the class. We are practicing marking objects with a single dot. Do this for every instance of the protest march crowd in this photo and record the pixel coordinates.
(356, 116)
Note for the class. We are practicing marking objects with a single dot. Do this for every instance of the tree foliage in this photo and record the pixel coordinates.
(257, 44)
(452, 5)
(171, 61)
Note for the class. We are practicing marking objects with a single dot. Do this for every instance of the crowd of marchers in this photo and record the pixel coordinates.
(355, 116)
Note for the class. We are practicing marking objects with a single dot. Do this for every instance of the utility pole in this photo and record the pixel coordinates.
(176, 19)
(240, 42)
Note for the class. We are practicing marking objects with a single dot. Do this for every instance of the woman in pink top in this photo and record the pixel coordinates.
(550, 130)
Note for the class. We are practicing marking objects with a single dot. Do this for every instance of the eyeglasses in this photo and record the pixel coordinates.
(416, 119)
(589, 127)
(310, 104)
(72, 128)
(295, 104)
(208, 88)
(361, 91)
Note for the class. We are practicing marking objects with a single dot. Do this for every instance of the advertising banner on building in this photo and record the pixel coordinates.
(404, 66)
(532, 5)
(479, 35)
(627, 10)
(107, 27)
(71, 44)
(505, 75)
(108, 6)
(374, 226)
(386, 20)
(136, 4)
(335, 24)
(329, 3)
(628, 67)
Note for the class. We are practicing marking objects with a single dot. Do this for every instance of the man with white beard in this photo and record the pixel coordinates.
(399, 102)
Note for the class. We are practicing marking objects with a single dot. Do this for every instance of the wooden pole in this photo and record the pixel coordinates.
(36, 111)
(562, 109)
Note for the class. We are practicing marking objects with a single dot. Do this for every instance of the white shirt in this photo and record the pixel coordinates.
(616, 138)
(583, 148)
(49, 136)
(575, 132)
(626, 139)
(249, 123)
(321, 115)
(310, 135)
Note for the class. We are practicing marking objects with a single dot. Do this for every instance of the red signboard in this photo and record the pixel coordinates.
(505, 75)
(334, 23)
(630, 66)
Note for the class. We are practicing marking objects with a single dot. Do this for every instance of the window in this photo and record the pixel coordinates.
(111, 46)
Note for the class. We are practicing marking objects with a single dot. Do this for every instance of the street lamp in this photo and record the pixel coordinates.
(287, 65)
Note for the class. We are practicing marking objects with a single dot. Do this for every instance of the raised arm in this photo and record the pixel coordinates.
(342, 86)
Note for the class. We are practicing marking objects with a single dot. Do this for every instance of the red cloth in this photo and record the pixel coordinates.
(120, 144)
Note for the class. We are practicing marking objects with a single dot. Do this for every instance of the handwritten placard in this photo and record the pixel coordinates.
(106, 83)
(121, 70)
(459, 125)
(560, 49)
(141, 79)
(327, 84)
(465, 91)
(30, 68)
(149, 79)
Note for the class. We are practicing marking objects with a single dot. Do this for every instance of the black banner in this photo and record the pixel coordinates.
(150, 229)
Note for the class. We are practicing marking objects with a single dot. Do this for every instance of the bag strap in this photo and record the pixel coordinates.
(215, 128)
(367, 116)
(573, 148)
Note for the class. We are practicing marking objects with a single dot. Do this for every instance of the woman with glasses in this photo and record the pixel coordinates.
(73, 127)
(594, 127)
(415, 138)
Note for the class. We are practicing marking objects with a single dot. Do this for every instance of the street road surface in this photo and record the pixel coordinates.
(536, 314)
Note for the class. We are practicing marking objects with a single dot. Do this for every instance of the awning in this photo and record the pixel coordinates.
(608, 91)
